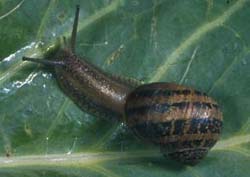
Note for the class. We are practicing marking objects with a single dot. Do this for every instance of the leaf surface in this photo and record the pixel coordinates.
(203, 44)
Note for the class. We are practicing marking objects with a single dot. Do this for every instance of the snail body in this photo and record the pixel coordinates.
(90, 88)
(184, 122)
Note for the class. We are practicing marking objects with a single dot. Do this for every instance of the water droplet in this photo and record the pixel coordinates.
(39, 44)
(47, 75)
(6, 90)
(28, 80)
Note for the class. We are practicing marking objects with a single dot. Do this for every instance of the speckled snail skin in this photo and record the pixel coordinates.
(184, 122)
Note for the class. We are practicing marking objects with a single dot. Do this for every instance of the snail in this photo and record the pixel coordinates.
(184, 122)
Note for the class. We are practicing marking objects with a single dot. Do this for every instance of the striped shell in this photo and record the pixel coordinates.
(185, 123)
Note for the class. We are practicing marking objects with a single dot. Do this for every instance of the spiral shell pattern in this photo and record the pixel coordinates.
(185, 122)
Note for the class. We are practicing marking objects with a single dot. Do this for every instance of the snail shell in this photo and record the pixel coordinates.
(185, 123)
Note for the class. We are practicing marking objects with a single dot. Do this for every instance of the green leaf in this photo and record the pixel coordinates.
(200, 43)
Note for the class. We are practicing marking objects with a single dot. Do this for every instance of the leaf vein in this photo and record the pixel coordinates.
(194, 37)
(12, 10)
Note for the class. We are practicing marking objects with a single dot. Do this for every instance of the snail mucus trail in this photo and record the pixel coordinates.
(184, 122)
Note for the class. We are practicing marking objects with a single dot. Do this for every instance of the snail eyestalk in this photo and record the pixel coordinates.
(45, 62)
(74, 30)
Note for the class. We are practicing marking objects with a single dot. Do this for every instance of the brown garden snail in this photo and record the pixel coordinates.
(184, 122)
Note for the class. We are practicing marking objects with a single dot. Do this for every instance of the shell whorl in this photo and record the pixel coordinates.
(185, 123)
